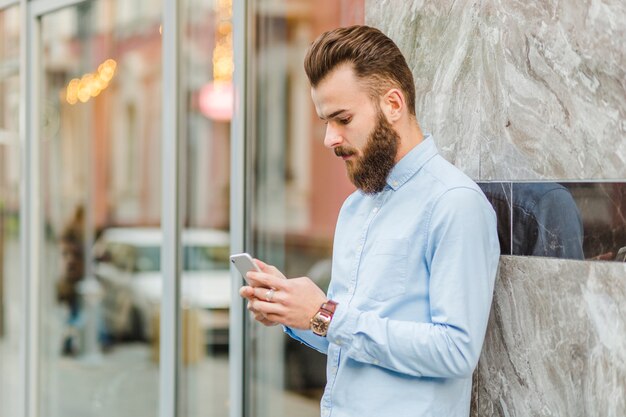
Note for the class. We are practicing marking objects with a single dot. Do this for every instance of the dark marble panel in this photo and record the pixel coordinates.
(560, 220)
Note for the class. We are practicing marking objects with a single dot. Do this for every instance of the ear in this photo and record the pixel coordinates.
(393, 105)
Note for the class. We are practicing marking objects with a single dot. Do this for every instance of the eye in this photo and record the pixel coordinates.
(345, 121)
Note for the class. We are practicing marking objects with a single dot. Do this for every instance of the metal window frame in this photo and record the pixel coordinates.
(172, 154)
(238, 214)
(25, 203)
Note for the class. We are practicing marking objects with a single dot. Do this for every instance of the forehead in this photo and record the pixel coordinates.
(339, 90)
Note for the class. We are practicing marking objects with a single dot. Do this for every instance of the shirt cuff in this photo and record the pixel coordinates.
(308, 338)
(343, 325)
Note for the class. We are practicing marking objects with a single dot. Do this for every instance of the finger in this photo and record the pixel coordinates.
(246, 292)
(264, 279)
(270, 269)
(274, 318)
(266, 294)
(265, 321)
(265, 308)
(255, 313)
(262, 319)
(268, 323)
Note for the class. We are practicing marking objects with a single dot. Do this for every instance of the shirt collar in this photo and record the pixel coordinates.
(412, 162)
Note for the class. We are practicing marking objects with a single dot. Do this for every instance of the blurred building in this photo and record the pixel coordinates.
(81, 102)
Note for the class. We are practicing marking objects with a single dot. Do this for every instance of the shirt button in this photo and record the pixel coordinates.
(375, 210)
(395, 183)
(376, 362)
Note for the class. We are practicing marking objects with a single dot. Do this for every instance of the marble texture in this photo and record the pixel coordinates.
(440, 41)
(531, 90)
(555, 343)
(518, 90)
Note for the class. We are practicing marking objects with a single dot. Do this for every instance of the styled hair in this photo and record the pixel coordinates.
(375, 59)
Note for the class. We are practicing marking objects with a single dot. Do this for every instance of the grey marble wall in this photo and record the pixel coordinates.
(518, 90)
(531, 90)
(555, 344)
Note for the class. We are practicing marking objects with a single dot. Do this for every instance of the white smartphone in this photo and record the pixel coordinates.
(244, 263)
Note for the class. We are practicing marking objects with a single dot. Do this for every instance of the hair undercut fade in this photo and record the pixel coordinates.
(376, 60)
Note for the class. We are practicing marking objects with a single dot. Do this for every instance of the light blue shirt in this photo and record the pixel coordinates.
(413, 274)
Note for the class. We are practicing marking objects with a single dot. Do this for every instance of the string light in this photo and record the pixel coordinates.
(216, 98)
(91, 84)
(223, 52)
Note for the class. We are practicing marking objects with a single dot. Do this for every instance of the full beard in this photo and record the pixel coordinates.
(369, 172)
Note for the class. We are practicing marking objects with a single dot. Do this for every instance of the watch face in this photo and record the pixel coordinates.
(319, 324)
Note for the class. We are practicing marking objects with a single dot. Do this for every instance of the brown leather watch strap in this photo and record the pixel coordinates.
(329, 306)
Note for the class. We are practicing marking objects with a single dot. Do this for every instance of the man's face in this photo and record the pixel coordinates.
(357, 130)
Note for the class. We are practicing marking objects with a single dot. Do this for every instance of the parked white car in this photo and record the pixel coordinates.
(127, 263)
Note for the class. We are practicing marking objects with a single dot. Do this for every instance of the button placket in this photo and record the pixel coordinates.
(378, 201)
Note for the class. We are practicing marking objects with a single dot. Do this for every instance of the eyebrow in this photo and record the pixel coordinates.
(333, 114)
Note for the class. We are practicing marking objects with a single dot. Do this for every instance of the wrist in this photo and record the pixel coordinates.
(322, 318)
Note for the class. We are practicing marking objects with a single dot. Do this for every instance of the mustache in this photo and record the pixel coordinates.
(342, 151)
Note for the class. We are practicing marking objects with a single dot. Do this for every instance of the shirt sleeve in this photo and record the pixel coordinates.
(308, 338)
(462, 258)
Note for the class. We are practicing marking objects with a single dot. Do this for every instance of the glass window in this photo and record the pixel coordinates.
(100, 136)
(11, 294)
(207, 103)
(297, 188)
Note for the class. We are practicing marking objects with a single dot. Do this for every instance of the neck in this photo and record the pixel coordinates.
(410, 136)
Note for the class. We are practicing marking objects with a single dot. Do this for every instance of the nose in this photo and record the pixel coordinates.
(333, 137)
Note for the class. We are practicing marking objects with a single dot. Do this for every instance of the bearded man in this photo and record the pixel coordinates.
(415, 250)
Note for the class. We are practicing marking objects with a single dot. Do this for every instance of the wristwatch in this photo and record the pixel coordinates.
(321, 319)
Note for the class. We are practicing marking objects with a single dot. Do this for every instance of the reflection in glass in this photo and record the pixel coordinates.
(297, 188)
(536, 219)
(11, 317)
(100, 169)
(500, 196)
(207, 96)
(546, 221)
(563, 220)
(603, 210)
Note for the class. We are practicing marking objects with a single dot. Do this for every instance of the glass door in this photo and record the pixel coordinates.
(206, 69)
(100, 135)
(296, 188)
(98, 74)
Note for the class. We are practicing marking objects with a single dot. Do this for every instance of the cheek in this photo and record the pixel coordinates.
(358, 139)
(362, 138)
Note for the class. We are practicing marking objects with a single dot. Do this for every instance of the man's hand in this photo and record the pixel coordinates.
(293, 302)
(249, 295)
